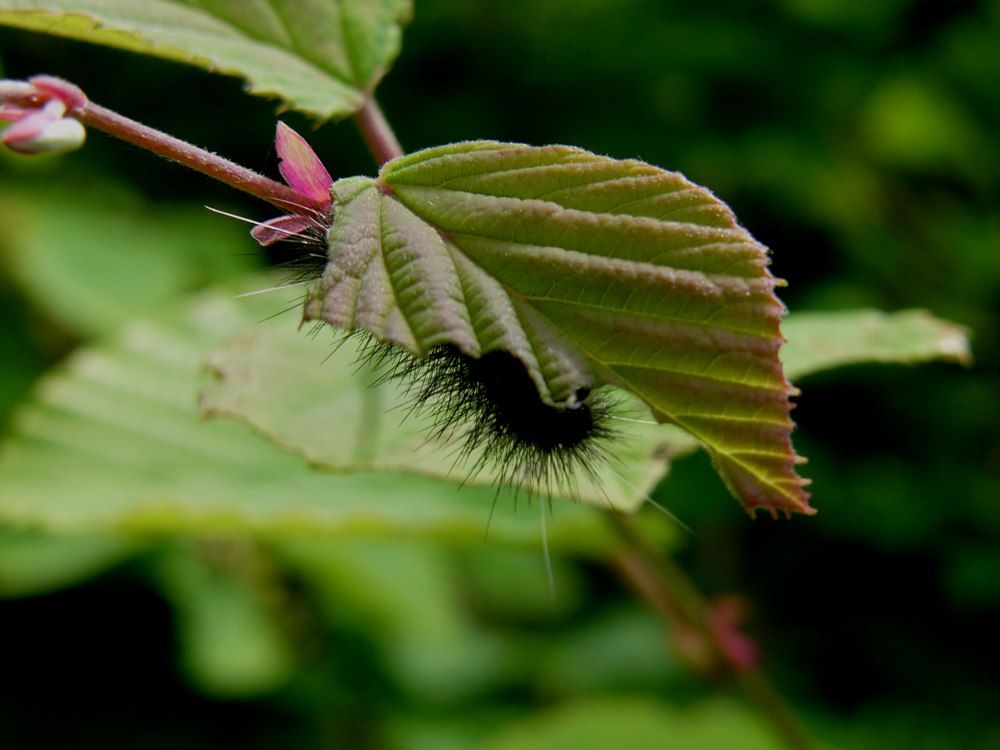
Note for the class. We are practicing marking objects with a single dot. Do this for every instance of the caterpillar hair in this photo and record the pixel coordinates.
(492, 406)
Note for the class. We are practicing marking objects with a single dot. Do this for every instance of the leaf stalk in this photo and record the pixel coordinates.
(194, 157)
(676, 599)
(377, 133)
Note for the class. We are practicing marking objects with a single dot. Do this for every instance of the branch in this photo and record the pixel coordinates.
(28, 102)
(705, 636)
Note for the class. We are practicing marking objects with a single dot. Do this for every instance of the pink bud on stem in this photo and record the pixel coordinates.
(50, 114)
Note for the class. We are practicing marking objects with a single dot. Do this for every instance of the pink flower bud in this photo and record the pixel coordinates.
(305, 173)
(44, 130)
(300, 166)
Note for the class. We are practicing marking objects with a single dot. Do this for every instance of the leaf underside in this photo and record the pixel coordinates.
(592, 271)
(320, 58)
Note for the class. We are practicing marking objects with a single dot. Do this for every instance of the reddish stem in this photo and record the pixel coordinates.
(677, 600)
(198, 159)
(92, 115)
(377, 132)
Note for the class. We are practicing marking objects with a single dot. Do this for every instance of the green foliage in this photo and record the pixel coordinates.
(639, 724)
(322, 58)
(121, 420)
(77, 255)
(821, 340)
(227, 625)
(32, 563)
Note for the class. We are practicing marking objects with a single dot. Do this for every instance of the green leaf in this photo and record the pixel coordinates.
(114, 440)
(823, 340)
(405, 596)
(33, 563)
(74, 252)
(591, 271)
(231, 645)
(638, 724)
(323, 58)
(612, 652)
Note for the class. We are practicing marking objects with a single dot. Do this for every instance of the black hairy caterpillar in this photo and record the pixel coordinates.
(489, 403)
(492, 406)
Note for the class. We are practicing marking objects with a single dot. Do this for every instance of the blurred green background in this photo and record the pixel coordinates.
(857, 140)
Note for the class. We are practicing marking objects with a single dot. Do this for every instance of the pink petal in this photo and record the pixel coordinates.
(11, 112)
(45, 131)
(300, 166)
(280, 228)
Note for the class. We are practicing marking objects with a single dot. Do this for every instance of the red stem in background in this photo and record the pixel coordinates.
(673, 595)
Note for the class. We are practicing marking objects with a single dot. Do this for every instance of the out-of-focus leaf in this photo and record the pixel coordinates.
(971, 576)
(114, 440)
(231, 645)
(824, 340)
(638, 724)
(619, 651)
(323, 58)
(21, 351)
(33, 563)
(405, 597)
(591, 271)
(911, 123)
(505, 585)
(95, 258)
